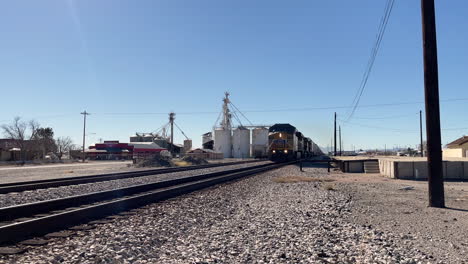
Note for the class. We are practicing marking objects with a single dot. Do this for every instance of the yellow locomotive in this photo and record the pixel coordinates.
(285, 142)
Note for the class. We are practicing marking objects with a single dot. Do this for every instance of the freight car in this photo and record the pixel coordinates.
(285, 142)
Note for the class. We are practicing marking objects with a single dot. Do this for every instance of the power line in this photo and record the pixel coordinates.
(387, 117)
(260, 110)
(379, 127)
(381, 31)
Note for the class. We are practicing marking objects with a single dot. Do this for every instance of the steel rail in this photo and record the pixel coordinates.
(49, 183)
(36, 219)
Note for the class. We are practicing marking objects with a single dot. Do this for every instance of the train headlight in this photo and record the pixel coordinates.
(274, 151)
(286, 151)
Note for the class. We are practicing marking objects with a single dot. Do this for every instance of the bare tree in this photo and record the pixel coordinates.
(64, 145)
(21, 133)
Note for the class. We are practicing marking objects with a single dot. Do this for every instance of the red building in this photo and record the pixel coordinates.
(114, 150)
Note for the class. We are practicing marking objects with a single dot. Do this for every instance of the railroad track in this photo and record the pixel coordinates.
(43, 184)
(21, 222)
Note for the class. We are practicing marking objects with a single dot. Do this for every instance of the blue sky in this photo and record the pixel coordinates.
(58, 58)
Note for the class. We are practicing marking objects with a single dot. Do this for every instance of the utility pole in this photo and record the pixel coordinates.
(340, 140)
(334, 133)
(431, 92)
(171, 121)
(420, 133)
(84, 113)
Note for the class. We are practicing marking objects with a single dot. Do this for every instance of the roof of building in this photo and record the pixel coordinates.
(458, 142)
(95, 150)
(145, 145)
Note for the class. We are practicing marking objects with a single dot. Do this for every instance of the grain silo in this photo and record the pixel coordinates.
(259, 142)
(187, 145)
(241, 143)
(223, 142)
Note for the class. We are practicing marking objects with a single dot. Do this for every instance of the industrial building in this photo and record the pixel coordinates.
(163, 139)
(457, 148)
(207, 140)
(236, 142)
(112, 150)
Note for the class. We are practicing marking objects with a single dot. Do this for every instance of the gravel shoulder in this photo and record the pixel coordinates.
(400, 207)
(281, 216)
(16, 198)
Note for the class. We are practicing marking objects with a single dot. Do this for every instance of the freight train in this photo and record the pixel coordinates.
(285, 142)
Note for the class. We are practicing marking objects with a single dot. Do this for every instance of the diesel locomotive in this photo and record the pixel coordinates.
(285, 142)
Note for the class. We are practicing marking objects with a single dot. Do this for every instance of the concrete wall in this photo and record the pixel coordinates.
(354, 166)
(417, 170)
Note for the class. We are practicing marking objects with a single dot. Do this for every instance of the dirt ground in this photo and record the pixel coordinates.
(401, 207)
(39, 172)
(10, 174)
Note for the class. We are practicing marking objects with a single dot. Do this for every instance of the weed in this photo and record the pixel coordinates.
(329, 187)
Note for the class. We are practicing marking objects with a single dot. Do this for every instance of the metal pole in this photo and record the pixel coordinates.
(420, 133)
(84, 133)
(431, 92)
(334, 133)
(171, 120)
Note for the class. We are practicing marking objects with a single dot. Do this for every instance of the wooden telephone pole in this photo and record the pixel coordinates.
(431, 92)
(420, 133)
(171, 121)
(334, 133)
(84, 113)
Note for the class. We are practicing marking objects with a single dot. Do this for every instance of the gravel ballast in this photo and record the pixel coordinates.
(254, 220)
(10, 199)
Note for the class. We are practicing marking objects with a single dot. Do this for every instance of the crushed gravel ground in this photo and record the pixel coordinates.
(254, 220)
(10, 199)
(400, 207)
(10, 174)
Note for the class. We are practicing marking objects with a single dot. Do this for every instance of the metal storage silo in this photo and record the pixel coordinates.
(259, 142)
(241, 143)
(223, 142)
(187, 145)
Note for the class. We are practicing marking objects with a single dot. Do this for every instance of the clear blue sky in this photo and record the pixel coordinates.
(58, 58)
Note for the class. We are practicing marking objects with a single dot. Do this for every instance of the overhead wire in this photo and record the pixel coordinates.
(386, 117)
(237, 118)
(181, 130)
(241, 113)
(380, 33)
